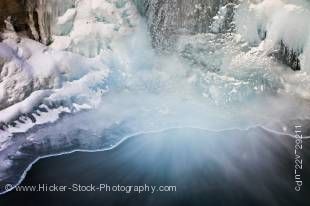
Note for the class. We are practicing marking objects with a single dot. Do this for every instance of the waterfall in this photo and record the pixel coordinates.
(147, 65)
(168, 19)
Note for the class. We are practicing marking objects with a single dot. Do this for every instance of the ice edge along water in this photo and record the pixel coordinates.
(121, 141)
(110, 67)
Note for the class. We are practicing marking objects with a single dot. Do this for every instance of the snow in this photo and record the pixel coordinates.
(64, 23)
(93, 51)
(101, 62)
(219, 20)
(29, 66)
(71, 71)
(95, 24)
(286, 21)
(23, 107)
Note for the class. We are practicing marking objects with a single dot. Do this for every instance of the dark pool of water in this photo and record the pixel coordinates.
(234, 167)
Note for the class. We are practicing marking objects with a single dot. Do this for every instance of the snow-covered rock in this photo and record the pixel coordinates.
(28, 66)
(93, 25)
(281, 27)
(82, 32)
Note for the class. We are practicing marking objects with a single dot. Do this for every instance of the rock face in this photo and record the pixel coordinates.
(284, 54)
(288, 56)
(33, 18)
(167, 18)
(16, 10)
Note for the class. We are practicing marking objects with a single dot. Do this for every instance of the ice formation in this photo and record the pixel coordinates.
(100, 78)
(70, 69)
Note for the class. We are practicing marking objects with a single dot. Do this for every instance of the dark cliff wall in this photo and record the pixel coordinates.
(288, 56)
(25, 18)
(15, 9)
(33, 18)
(284, 54)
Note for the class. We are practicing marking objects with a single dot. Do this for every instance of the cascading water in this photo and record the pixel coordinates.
(108, 76)
(168, 19)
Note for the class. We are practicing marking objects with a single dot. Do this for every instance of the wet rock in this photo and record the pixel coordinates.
(284, 54)
(18, 13)
(288, 56)
(169, 18)
(33, 18)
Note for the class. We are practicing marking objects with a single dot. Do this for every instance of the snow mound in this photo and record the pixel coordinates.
(269, 23)
(38, 83)
(29, 66)
(90, 27)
